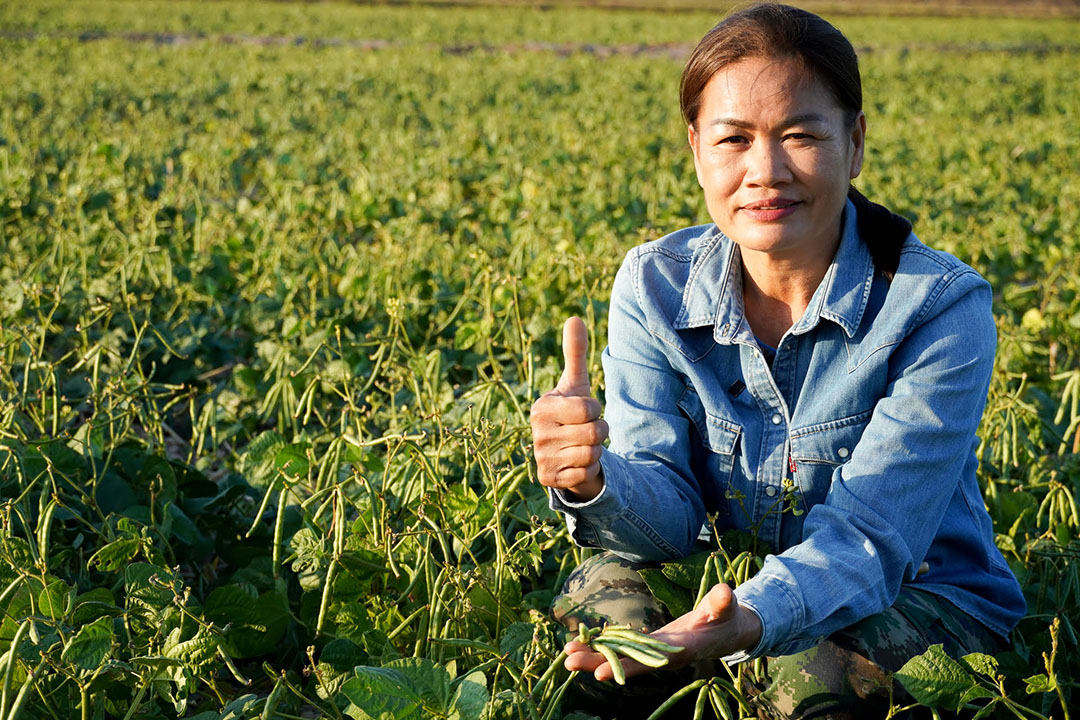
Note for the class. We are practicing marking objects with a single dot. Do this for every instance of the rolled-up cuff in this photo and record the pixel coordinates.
(608, 503)
(743, 655)
(777, 605)
(584, 519)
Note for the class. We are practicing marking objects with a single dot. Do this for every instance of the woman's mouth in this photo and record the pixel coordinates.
(771, 210)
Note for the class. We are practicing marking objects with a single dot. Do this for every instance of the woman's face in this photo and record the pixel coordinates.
(775, 156)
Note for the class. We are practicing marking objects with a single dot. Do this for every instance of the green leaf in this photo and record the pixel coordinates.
(687, 572)
(470, 697)
(157, 661)
(677, 599)
(292, 461)
(242, 708)
(516, 639)
(90, 610)
(342, 655)
(934, 679)
(198, 651)
(974, 692)
(485, 606)
(150, 587)
(89, 647)
(431, 681)
(11, 298)
(56, 599)
(229, 603)
(985, 710)
(1040, 684)
(257, 462)
(255, 624)
(311, 558)
(183, 529)
(383, 694)
(980, 663)
(115, 555)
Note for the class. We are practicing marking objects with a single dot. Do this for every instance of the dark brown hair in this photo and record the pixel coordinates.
(771, 30)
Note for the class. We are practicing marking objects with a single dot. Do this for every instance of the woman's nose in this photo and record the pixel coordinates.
(767, 164)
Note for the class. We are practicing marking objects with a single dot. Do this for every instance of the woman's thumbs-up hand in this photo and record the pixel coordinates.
(566, 426)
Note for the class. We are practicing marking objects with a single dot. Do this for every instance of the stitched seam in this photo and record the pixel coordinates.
(815, 460)
(654, 536)
(832, 424)
(879, 348)
(665, 252)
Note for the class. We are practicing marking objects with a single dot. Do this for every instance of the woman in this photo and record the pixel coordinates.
(805, 368)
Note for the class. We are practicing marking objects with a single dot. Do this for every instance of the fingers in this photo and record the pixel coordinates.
(575, 376)
(552, 409)
(580, 657)
(555, 439)
(571, 477)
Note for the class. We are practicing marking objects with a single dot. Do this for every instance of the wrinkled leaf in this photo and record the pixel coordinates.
(383, 693)
(89, 647)
(470, 697)
(116, 554)
(431, 681)
(980, 663)
(934, 679)
(1040, 684)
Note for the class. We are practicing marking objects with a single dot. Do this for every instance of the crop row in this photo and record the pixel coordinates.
(271, 318)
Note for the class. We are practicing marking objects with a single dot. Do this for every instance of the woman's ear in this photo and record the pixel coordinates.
(692, 138)
(858, 144)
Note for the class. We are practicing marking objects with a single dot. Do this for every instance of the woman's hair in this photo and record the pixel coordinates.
(771, 30)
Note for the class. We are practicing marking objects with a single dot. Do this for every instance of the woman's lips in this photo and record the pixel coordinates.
(771, 210)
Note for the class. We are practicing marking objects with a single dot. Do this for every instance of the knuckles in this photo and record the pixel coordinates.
(567, 437)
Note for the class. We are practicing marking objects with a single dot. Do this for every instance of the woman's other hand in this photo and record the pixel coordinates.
(567, 430)
(717, 627)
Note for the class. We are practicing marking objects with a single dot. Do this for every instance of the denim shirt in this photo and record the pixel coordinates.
(865, 423)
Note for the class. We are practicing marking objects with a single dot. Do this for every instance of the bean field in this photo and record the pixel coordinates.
(279, 283)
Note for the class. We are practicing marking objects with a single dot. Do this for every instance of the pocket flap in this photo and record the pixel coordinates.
(718, 433)
(829, 442)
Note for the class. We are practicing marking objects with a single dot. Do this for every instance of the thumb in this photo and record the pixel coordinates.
(718, 604)
(575, 343)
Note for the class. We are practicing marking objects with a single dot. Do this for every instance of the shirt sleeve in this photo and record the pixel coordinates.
(885, 505)
(650, 508)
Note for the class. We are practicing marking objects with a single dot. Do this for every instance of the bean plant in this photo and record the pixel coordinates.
(272, 314)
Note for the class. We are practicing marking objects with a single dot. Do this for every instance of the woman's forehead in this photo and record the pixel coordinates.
(759, 89)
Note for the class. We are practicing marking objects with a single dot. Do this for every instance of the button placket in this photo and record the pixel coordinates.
(773, 463)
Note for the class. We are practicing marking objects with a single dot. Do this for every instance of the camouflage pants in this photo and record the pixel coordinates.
(846, 675)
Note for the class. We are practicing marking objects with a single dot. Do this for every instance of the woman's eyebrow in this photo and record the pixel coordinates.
(787, 122)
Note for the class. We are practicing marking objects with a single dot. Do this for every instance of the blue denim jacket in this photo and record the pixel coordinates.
(866, 422)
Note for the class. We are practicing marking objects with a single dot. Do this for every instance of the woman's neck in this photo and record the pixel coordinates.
(776, 291)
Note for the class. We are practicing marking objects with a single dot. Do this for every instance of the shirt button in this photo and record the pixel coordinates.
(843, 452)
(776, 419)
(770, 491)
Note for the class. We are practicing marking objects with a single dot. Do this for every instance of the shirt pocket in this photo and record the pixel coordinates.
(712, 452)
(818, 450)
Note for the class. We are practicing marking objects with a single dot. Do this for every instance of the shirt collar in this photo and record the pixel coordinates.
(713, 292)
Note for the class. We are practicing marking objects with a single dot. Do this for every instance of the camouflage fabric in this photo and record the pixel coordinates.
(604, 590)
(846, 675)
